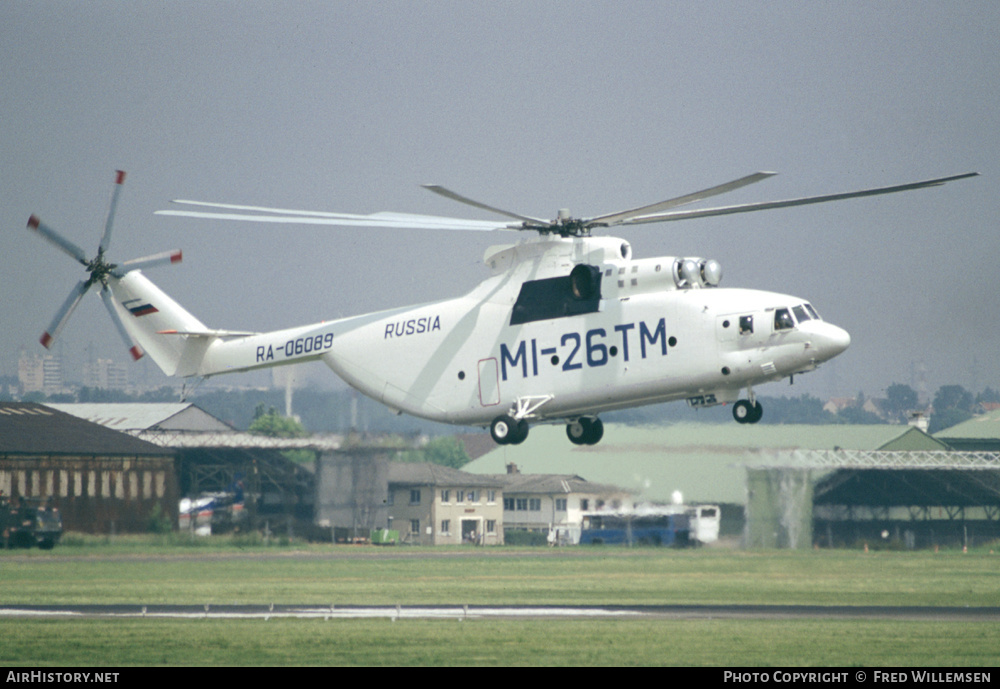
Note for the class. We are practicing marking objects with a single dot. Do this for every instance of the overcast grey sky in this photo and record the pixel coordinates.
(531, 106)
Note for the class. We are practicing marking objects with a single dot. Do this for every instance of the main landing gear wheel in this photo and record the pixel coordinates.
(585, 431)
(506, 430)
(744, 412)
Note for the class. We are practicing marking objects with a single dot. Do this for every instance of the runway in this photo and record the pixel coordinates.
(470, 612)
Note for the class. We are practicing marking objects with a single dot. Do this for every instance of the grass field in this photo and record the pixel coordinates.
(143, 572)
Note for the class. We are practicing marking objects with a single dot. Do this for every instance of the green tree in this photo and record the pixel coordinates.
(857, 415)
(952, 405)
(274, 425)
(952, 397)
(988, 395)
(900, 399)
(445, 450)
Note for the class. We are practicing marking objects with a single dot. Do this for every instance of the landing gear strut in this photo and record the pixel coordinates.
(585, 431)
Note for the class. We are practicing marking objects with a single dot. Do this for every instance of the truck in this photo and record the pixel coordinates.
(27, 522)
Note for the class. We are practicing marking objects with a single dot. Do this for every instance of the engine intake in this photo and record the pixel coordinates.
(690, 273)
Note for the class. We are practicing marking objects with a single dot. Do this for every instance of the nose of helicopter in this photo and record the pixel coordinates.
(830, 340)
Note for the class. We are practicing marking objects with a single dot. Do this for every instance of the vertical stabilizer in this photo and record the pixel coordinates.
(146, 312)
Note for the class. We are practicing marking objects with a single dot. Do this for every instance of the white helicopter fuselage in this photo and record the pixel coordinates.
(524, 343)
(568, 325)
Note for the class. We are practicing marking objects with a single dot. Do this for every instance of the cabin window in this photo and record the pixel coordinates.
(560, 297)
(746, 325)
(783, 320)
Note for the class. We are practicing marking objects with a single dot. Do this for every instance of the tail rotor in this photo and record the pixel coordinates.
(100, 273)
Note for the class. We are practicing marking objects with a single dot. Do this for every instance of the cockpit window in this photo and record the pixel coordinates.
(800, 314)
(783, 320)
(812, 311)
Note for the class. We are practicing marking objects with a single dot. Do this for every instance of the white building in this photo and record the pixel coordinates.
(40, 373)
(554, 504)
(105, 374)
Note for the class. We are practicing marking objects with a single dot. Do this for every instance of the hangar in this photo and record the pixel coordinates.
(910, 498)
(212, 456)
(102, 481)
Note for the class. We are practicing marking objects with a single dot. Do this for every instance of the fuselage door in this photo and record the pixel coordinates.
(489, 382)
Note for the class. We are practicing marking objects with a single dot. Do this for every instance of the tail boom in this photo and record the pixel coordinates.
(181, 345)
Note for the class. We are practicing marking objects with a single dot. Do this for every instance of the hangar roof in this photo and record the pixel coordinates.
(704, 461)
(146, 416)
(980, 432)
(35, 429)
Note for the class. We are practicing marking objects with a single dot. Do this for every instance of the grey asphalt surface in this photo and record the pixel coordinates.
(980, 614)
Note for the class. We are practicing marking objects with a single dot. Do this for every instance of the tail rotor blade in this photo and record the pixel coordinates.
(109, 301)
(159, 259)
(63, 314)
(57, 239)
(106, 239)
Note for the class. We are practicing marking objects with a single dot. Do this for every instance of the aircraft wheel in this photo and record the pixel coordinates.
(585, 431)
(520, 432)
(756, 413)
(576, 431)
(742, 411)
(596, 432)
(504, 429)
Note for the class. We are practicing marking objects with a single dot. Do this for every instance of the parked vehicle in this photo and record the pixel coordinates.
(28, 522)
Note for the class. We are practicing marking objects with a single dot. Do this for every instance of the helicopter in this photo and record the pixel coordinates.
(567, 326)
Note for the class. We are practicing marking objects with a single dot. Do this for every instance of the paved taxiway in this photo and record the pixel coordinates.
(980, 614)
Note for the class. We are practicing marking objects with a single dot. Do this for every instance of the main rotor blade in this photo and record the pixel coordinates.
(54, 237)
(382, 219)
(162, 258)
(616, 218)
(109, 301)
(63, 314)
(106, 239)
(448, 194)
(768, 205)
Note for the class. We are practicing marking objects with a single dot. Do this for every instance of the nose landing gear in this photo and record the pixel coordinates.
(746, 411)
